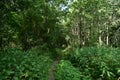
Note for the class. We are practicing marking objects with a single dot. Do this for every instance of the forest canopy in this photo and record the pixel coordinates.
(29, 23)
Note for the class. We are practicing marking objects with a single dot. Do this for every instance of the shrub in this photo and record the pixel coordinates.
(65, 71)
(97, 63)
(18, 65)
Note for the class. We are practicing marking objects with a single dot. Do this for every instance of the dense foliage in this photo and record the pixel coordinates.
(18, 65)
(80, 64)
(65, 71)
(56, 24)
(97, 63)
(82, 35)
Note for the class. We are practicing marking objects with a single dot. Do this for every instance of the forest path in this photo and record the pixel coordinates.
(52, 68)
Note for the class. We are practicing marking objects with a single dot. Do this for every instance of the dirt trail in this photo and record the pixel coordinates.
(52, 68)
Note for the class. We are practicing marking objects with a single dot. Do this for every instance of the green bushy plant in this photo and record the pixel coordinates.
(65, 71)
(97, 63)
(18, 65)
(89, 63)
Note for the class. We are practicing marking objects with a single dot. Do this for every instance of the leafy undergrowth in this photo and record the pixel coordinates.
(33, 65)
(96, 63)
(18, 65)
(90, 63)
(65, 71)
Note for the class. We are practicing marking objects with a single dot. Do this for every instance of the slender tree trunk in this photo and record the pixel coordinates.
(99, 31)
(100, 38)
(80, 28)
(107, 37)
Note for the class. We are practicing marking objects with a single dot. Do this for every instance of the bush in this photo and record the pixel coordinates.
(18, 65)
(89, 63)
(97, 63)
(65, 71)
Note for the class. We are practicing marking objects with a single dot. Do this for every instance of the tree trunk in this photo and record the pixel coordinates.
(99, 31)
(107, 37)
